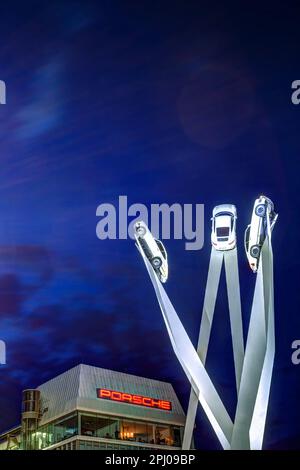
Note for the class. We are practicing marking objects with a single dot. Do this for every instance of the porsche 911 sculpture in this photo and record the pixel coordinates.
(153, 249)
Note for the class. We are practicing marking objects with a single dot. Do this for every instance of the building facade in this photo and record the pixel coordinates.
(89, 408)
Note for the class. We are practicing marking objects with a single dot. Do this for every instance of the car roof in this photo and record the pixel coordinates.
(223, 221)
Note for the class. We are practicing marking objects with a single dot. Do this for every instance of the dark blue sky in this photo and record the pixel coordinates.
(176, 101)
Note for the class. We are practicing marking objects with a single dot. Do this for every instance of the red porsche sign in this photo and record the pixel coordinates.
(134, 399)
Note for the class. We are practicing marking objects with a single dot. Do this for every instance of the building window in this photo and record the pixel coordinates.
(95, 426)
(177, 437)
(104, 427)
(163, 435)
(135, 431)
(130, 430)
(57, 431)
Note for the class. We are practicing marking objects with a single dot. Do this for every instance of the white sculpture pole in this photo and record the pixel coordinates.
(233, 293)
(213, 279)
(254, 392)
(193, 367)
(258, 422)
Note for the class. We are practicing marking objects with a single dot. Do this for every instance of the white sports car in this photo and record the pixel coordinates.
(153, 249)
(223, 231)
(255, 233)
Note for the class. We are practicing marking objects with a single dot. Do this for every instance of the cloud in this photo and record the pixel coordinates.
(44, 109)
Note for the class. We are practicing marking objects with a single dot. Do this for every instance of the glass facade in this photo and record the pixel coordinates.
(57, 431)
(124, 430)
(99, 426)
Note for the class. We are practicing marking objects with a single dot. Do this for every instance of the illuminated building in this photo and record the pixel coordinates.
(92, 408)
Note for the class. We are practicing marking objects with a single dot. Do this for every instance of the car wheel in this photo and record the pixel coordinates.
(255, 251)
(156, 262)
(141, 231)
(260, 210)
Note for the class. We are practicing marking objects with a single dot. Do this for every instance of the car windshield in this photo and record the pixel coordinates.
(162, 248)
(246, 237)
(222, 232)
(224, 213)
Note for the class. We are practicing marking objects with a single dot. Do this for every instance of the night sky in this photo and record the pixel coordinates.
(171, 101)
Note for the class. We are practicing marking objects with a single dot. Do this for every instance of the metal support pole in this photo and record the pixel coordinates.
(235, 312)
(254, 392)
(193, 367)
(212, 284)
